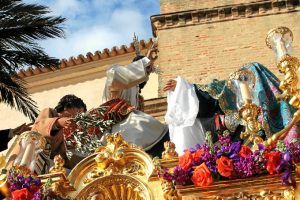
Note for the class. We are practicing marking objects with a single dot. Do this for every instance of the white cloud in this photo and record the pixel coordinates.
(97, 24)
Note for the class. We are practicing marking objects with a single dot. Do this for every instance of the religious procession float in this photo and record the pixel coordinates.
(260, 168)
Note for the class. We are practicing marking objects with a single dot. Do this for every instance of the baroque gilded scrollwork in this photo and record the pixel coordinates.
(169, 191)
(60, 185)
(58, 165)
(249, 113)
(111, 159)
(288, 194)
(116, 187)
(116, 171)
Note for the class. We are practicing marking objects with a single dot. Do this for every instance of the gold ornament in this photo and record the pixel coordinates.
(288, 65)
(119, 164)
(169, 152)
(58, 165)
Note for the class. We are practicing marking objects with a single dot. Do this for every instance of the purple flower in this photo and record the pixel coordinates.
(224, 140)
(246, 167)
(181, 176)
(26, 185)
(192, 150)
(210, 160)
(12, 187)
(167, 176)
(198, 146)
(235, 148)
(287, 156)
(261, 147)
(29, 179)
(37, 181)
(288, 179)
(21, 179)
(37, 195)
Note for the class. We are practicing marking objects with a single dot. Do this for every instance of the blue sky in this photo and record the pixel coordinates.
(97, 24)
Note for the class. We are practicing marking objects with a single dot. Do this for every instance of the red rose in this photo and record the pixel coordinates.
(273, 161)
(197, 155)
(202, 176)
(22, 194)
(245, 151)
(185, 161)
(225, 166)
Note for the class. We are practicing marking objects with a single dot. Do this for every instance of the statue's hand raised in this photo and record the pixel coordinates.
(152, 53)
(170, 85)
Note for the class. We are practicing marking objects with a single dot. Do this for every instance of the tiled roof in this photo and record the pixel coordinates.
(89, 57)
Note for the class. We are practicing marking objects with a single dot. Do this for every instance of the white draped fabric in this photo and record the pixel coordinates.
(122, 81)
(138, 128)
(183, 105)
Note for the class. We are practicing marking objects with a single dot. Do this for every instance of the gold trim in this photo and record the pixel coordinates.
(60, 184)
(116, 158)
(232, 188)
(116, 187)
(282, 30)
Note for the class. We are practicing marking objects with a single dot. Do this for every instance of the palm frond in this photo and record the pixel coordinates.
(21, 26)
(13, 92)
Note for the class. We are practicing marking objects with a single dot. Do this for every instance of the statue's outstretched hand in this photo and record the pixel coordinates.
(152, 53)
(22, 128)
(170, 85)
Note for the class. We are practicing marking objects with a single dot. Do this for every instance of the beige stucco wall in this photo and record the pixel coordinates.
(85, 81)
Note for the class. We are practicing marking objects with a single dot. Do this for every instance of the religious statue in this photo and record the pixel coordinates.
(121, 97)
(52, 124)
(194, 109)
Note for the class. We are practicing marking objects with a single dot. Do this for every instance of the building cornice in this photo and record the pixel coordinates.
(89, 58)
(223, 13)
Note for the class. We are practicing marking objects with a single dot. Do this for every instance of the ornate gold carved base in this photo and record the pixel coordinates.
(116, 187)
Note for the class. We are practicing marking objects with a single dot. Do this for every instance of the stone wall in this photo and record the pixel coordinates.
(211, 44)
(168, 6)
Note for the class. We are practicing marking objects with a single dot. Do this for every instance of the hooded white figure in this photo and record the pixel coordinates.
(123, 83)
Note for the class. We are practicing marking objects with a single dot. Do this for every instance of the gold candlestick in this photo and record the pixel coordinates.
(249, 111)
(280, 40)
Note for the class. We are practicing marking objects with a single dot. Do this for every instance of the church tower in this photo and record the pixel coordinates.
(211, 38)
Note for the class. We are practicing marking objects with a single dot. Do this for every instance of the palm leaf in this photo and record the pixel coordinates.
(13, 92)
(21, 27)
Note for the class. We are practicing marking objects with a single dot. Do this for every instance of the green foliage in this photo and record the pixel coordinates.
(21, 27)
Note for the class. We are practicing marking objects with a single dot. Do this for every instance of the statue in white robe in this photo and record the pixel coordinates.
(123, 83)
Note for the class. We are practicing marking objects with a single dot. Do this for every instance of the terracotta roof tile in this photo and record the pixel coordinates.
(90, 57)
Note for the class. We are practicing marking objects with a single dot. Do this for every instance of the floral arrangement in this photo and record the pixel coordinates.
(25, 186)
(22, 185)
(231, 160)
